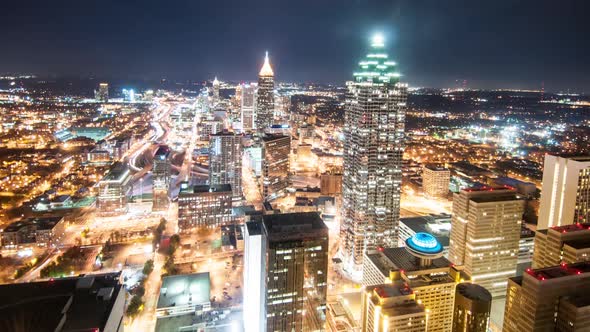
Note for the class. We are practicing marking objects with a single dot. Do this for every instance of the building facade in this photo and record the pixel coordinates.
(392, 307)
(561, 244)
(549, 299)
(485, 235)
(113, 190)
(473, 304)
(248, 105)
(294, 268)
(436, 180)
(204, 206)
(565, 195)
(225, 161)
(421, 266)
(102, 94)
(265, 98)
(373, 149)
(161, 178)
(276, 165)
(42, 232)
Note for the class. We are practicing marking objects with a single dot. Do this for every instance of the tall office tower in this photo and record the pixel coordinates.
(254, 302)
(216, 85)
(225, 161)
(436, 180)
(485, 235)
(204, 206)
(265, 99)
(373, 149)
(161, 178)
(290, 252)
(473, 304)
(275, 165)
(549, 299)
(422, 267)
(248, 106)
(102, 94)
(565, 196)
(561, 244)
(392, 307)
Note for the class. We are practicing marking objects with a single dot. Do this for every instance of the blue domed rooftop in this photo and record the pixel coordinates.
(424, 244)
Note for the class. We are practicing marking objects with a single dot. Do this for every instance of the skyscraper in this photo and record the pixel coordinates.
(485, 235)
(265, 100)
(472, 308)
(248, 103)
(373, 149)
(549, 299)
(216, 85)
(561, 244)
(421, 266)
(392, 307)
(275, 165)
(565, 196)
(290, 252)
(225, 161)
(161, 178)
(436, 180)
(102, 94)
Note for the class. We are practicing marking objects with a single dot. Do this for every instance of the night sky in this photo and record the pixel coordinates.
(491, 44)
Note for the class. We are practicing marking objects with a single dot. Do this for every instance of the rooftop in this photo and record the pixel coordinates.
(185, 289)
(83, 303)
(474, 292)
(434, 167)
(117, 172)
(163, 150)
(273, 137)
(206, 189)
(437, 225)
(294, 226)
(393, 259)
(41, 223)
(560, 271)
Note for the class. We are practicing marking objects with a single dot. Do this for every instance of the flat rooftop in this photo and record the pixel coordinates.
(293, 225)
(117, 172)
(572, 228)
(393, 259)
(183, 289)
(45, 223)
(560, 271)
(206, 189)
(163, 150)
(273, 137)
(433, 224)
(40, 306)
(435, 167)
(575, 157)
(474, 292)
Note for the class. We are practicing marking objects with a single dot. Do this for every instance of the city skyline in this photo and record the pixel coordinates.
(458, 43)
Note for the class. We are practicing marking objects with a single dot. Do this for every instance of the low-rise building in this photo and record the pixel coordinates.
(43, 232)
(184, 294)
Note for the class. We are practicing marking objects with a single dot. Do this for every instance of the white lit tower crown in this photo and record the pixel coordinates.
(265, 100)
(373, 149)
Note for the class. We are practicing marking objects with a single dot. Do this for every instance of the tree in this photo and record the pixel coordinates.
(135, 306)
(174, 243)
(148, 267)
(158, 232)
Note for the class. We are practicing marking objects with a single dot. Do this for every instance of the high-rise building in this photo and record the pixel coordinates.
(436, 180)
(392, 307)
(331, 184)
(102, 94)
(549, 299)
(275, 165)
(225, 161)
(286, 258)
(565, 196)
(265, 100)
(422, 267)
(248, 105)
(485, 235)
(161, 178)
(204, 206)
(473, 304)
(83, 303)
(216, 86)
(373, 149)
(561, 244)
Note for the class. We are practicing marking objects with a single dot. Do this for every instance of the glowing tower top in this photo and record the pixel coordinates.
(266, 68)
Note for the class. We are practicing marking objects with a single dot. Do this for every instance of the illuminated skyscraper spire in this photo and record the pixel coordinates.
(265, 100)
(266, 68)
(373, 149)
